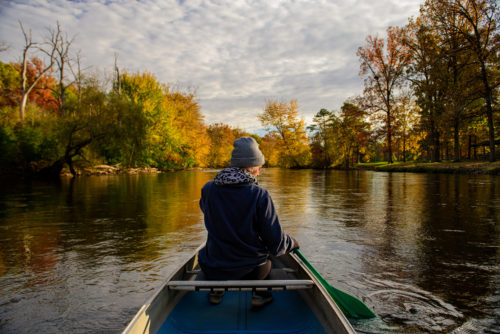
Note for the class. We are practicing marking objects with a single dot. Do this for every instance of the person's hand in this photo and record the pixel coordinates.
(295, 244)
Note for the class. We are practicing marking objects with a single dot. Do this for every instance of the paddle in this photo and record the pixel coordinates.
(350, 306)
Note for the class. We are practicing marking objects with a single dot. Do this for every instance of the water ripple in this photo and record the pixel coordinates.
(412, 306)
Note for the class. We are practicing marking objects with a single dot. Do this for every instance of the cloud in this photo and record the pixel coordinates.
(236, 53)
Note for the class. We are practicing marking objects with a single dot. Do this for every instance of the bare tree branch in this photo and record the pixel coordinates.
(27, 87)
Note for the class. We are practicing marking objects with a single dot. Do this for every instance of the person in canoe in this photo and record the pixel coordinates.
(242, 223)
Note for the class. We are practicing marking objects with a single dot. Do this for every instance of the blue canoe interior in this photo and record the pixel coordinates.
(300, 304)
(287, 313)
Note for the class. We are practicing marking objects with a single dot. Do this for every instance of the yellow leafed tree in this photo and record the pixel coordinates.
(189, 121)
(221, 144)
(283, 120)
(268, 146)
(175, 133)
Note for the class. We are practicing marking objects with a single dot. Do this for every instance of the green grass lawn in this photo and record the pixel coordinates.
(472, 167)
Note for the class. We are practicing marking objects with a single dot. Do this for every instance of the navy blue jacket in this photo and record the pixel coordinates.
(243, 229)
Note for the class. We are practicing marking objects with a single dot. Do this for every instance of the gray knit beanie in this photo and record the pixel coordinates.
(246, 153)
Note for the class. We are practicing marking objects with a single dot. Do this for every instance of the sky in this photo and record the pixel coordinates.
(235, 54)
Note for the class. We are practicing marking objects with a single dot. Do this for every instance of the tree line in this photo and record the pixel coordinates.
(55, 114)
(430, 93)
(436, 79)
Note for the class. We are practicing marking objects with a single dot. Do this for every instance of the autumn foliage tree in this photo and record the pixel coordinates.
(324, 139)
(41, 92)
(174, 132)
(407, 133)
(425, 71)
(269, 145)
(339, 138)
(474, 24)
(282, 119)
(27, 84)
(383, 63)
(354, 132)
(221, 138)
(453, 71)
(192, 129)
(9, 87)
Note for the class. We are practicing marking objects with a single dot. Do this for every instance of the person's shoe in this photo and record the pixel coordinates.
(215, 297)
(260, 299)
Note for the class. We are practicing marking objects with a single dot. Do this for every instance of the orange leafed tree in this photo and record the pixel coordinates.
(26, 84)
(44, 83)
(221, 138)
(383, 63)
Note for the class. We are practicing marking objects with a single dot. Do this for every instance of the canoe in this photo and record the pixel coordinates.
(300, 304)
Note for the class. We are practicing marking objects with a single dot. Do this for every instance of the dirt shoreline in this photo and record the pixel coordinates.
(110, 170)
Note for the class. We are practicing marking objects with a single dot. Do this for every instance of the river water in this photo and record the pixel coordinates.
(422, 250)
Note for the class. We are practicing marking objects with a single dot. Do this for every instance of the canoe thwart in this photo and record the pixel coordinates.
(286, 270)
(240, 285)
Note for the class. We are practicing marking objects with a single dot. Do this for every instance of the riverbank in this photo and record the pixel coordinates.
(469, 167)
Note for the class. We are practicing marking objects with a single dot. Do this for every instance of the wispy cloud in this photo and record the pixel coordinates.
(236, 53)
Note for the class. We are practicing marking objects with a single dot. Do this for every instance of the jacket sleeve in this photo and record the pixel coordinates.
(269, 228)
(203, 198)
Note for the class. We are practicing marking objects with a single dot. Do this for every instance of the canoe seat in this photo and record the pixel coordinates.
(241, 285)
